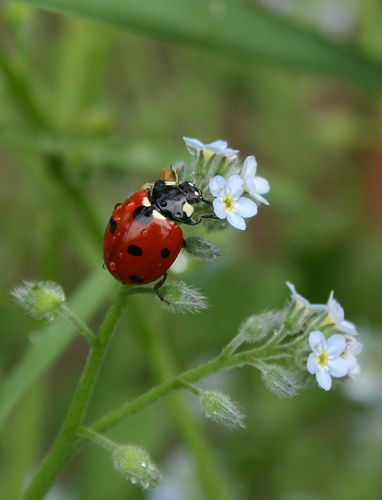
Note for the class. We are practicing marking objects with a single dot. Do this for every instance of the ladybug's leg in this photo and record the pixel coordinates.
(192, 222)
(157, 287)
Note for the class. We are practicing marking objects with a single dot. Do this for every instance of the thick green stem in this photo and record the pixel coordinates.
(66, 441)
(161, 360)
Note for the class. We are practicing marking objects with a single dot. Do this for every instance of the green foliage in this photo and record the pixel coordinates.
(235, 30)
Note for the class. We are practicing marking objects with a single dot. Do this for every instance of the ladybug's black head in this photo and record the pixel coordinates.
(175, 201)
(192, 193)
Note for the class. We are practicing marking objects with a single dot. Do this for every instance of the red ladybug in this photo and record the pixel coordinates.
(143, 238)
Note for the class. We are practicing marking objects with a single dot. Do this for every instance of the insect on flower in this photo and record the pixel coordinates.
(143, 237)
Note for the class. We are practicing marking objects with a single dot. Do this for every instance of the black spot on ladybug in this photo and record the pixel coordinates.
(134, 250)
(136, 279)
(165, 252)
(113, 225)
(117, 205)
(143, 215)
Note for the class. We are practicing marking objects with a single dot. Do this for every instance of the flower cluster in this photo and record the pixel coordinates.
(229, 180)
(333, 356)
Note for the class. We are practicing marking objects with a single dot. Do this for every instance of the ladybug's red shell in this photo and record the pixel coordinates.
(139, 248)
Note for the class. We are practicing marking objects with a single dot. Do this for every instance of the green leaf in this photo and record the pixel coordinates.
(245, 32)
(202, 249)
(56, 337)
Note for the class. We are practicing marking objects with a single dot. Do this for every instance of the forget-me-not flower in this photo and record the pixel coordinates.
(254, 185)
(229, 203)
(219, 147)
(325, 361)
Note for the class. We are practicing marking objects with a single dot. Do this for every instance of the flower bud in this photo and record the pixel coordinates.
(181, 298)
(135, 465)
(201, 248)
(279, 380)
(260, 326)
(221, 409)
(41, 299)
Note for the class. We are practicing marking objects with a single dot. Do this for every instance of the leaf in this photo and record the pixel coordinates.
(245, 32)
(100, 153)
(56, 337)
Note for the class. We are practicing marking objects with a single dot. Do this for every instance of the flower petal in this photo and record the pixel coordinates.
(219, 208)
(193, 145)
(217, 184)
(316, 340)
(336, 345)
(324, 379)
(260, 198)
(217, 146)
(338, 367)
(246, 207)
(249, 167)
(312, 363)
(348, 327)
(236, 221)
(262, 185)
(235, 186)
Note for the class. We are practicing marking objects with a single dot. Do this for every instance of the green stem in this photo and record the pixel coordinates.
(66, 441)
(161, 360)
(82, 327)
(167, 387)
(97, 438)
(57, 459)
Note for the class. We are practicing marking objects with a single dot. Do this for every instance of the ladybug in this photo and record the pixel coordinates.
(143, 236)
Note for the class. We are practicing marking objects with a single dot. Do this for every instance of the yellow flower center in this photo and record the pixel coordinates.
(207, 154)
(328, 320)
(228, 203)
(322, 359)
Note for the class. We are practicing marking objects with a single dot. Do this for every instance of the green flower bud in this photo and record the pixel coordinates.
(279, 380)
(259, 326)
(135, 465)
(41, 299)
(181, 298)
(201, 248)
(221, 409)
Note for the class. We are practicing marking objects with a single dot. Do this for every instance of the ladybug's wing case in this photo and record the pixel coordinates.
(140, 244)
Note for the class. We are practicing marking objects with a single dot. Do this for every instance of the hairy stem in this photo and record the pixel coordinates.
(82, 327)
(160, 359)
(66, 441)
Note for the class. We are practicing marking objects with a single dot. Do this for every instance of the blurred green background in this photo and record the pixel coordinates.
(88, 113)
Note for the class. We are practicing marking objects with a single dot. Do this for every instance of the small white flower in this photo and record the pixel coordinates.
(302, 302)
(219, 147)
(353, 349)
(325, 361)
(253, 184)
(336, 316)
(229, 203)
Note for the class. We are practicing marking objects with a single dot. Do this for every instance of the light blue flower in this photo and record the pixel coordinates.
(254, 185)
(219, 147)
(325, 361)
(229, 203)
(336, 316)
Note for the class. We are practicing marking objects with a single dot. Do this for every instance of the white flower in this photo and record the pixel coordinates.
(302, 302)
(353, 349)
(325, 361)
(254, 185)
(219, 147)
(228, 203)
(336, 316)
